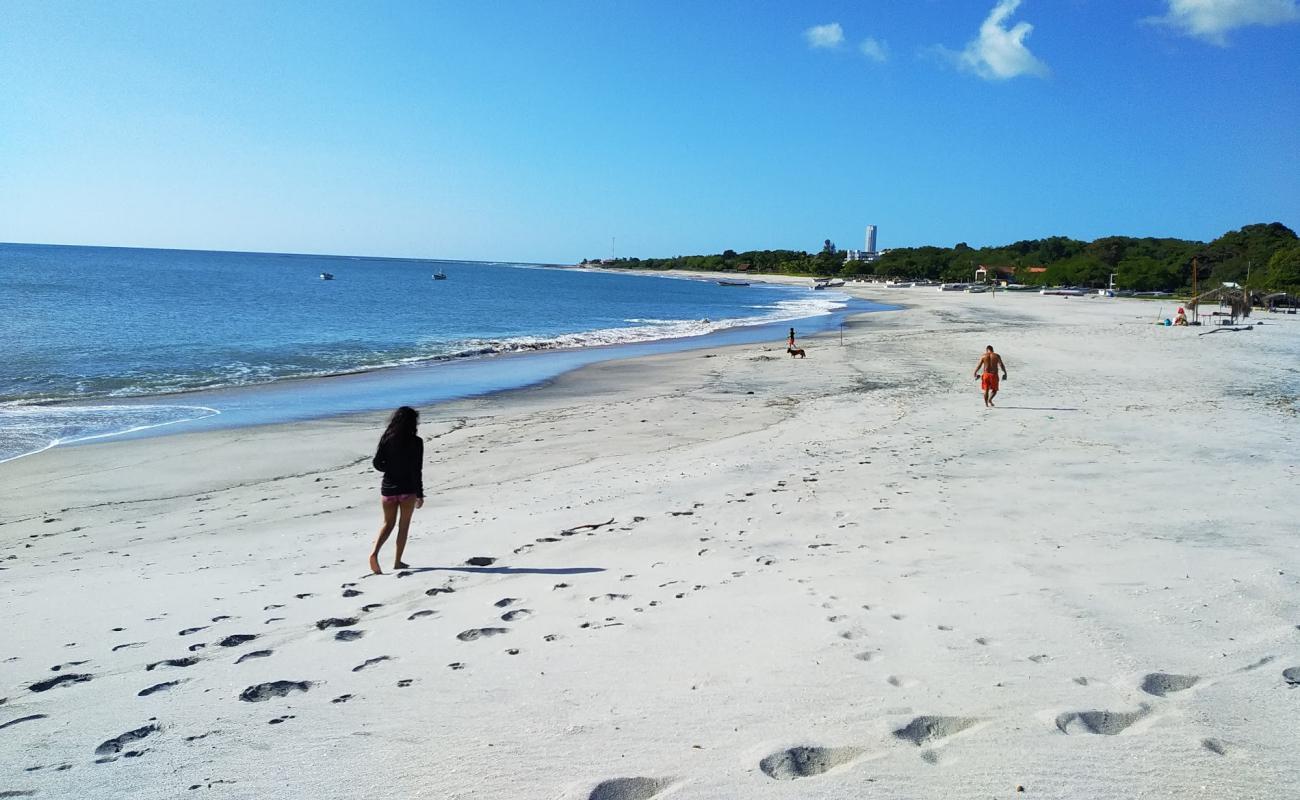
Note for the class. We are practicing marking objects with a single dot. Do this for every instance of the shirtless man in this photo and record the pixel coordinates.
(990, 362)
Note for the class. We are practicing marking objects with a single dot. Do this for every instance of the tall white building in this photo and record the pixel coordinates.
(871, 239)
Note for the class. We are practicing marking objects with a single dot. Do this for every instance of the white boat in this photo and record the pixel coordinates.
(327, 276)
(823, 283)
(953, 287)
(976, 288)
(1066, 292)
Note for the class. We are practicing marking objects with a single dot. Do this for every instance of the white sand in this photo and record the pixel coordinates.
(804, 553)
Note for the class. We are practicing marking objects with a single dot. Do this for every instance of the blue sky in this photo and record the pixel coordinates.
(537, 131)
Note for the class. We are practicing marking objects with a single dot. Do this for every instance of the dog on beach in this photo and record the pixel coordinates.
(796, 352)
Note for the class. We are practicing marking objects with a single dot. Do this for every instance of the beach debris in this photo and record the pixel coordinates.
(480, 561)
(1292, 676)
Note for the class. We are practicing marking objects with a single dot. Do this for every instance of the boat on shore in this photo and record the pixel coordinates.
(827, 283)
(733, 283)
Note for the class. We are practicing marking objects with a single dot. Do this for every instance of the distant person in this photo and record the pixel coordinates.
(990, 362)
(1181, 319)
(790, 344)
(400, 456)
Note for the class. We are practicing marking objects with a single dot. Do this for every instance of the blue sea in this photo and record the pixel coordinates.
(104, 342)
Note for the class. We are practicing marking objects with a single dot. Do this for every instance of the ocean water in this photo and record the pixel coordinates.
(107, 342)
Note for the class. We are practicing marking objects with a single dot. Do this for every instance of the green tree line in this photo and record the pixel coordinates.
(1262, 256)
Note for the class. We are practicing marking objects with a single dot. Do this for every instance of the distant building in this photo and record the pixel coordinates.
(871, 239)
(860, 255)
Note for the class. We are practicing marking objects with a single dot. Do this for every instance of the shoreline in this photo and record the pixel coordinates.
(228, 406)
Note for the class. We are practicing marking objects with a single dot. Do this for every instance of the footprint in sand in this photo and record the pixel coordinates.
(517, 614)
(68, 678)
(188, 661)
(28, 718)
(265, 691)
(1292, 676)
(479, 633)
(424, 612)
(1161, 684)
(336, 622)
(480, 561)
(348, 635)
(370, 662)
(628, 789)
(1104, 723)
(113, 747)
(1216, 746)
(253, 654)
(931, 729)
(805, 762)
(237, 639)
(506, 602)
(157, 687)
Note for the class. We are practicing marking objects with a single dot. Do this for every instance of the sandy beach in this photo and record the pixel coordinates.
(713, 574)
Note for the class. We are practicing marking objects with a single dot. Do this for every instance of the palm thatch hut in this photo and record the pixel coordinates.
(1233, 302)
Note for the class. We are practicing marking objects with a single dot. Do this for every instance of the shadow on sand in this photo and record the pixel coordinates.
(1033, 408)
(512, 570)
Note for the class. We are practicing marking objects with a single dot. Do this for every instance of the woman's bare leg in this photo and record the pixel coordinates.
(390, 519)
(403, 528)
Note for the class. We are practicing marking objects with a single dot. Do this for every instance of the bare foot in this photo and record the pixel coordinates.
(401, 565)
(374, 564)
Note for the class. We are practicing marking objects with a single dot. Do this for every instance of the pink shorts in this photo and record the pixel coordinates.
(397, 498)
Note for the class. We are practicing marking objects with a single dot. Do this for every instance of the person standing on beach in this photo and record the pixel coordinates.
(400, 456)
(790, 345)
(990, 362)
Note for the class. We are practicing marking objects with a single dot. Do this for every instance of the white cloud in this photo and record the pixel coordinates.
(875, 49)
(1212, 19)
(999, 53)
(828, 35)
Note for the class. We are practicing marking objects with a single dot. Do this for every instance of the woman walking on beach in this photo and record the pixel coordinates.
(400, 457)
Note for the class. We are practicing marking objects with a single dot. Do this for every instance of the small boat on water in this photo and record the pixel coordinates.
(440, 276)
(327, 276)
(732, 283)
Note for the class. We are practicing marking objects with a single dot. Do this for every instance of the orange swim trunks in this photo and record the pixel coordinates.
(989, 381)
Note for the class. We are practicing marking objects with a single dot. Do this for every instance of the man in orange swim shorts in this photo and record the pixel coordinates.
(990, 362)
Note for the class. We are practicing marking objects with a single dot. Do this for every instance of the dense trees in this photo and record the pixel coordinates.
(1270, 253)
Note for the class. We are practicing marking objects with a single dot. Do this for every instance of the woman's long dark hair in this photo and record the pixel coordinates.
(402, 424)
